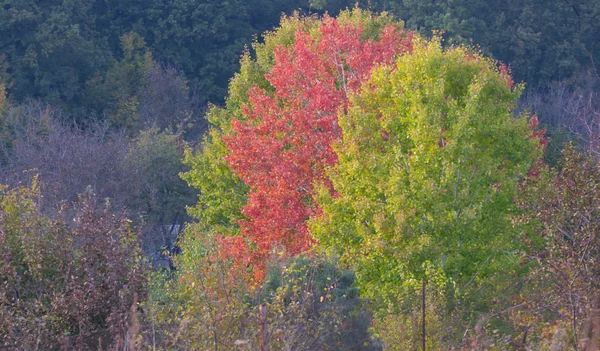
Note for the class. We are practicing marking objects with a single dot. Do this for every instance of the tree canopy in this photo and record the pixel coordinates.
(429, 161)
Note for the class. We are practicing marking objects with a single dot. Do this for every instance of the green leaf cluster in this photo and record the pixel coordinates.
(116, 93)
(155, 161)
(428, 167)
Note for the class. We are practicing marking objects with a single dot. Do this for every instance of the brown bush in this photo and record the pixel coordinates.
(64, 285)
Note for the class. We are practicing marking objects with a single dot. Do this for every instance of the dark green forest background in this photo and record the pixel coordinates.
(65, 52)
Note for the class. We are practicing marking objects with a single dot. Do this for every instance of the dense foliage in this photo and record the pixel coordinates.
(542, 41)
(67, 286)
(58, 50)
(428, 167)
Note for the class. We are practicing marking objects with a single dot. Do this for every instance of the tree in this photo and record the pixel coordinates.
(52, 49)
(168, 103)
(428, 167)
(67, 159)
(116, 92)
(158, 195)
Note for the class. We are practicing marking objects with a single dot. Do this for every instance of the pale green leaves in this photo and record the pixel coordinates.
(428, 165)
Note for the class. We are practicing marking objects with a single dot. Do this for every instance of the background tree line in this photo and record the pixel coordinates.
(60, 51)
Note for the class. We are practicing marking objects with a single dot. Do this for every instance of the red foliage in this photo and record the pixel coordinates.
(537, 133)
(235, 253)
(505, 73)
(282, 148)
(540, 135)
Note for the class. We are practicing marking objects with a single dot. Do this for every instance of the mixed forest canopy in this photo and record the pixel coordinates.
(299, 175)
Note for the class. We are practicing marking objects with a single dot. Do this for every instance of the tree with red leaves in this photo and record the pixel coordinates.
(283, 143)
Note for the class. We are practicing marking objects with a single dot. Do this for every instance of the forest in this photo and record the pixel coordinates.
(300, 175)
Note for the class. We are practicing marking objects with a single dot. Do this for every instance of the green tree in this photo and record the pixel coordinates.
(154, 160)
(158, 196)
(116, 93)
(428, 167)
